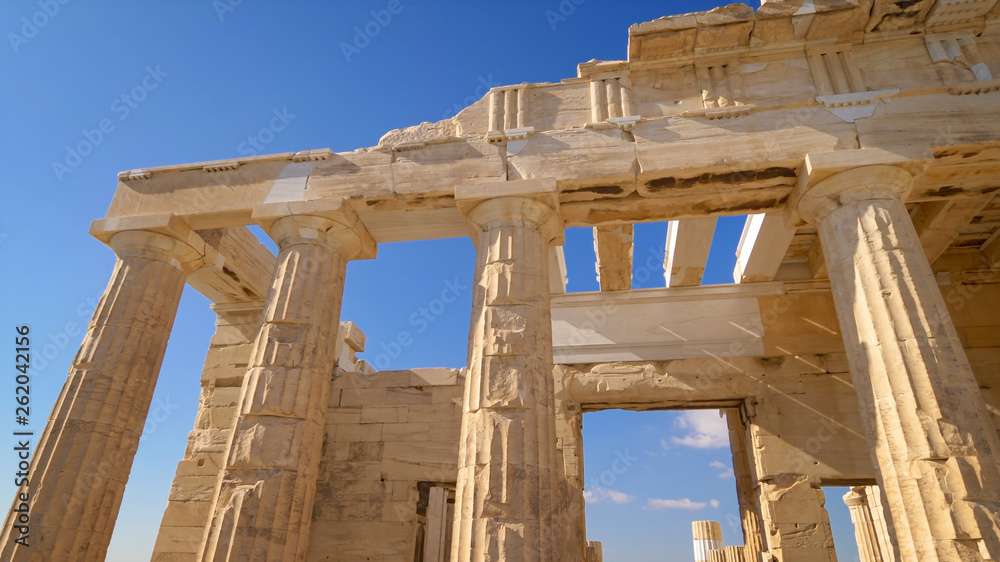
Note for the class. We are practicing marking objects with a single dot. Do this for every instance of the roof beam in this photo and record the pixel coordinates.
(991, 250)
(938, 223)
(242, 270)
(762, 247)
(688, 243)
(817, 261)
(665, 324)
(613, 247)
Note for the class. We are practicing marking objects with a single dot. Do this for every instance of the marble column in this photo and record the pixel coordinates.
(929, 429)
(865, 533)
(262, 508)
(795, 519)
(508, 479)
(571, 517)
(876, 510)
(707, 536)
(82, 460)
(593, 552)
(749, 516)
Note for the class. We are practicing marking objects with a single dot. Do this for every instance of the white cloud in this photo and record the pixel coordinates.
(705, 429)
(684, 503)
(713, 503)
(595, 495)
(726, 471)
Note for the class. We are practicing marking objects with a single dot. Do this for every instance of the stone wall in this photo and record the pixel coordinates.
(391, 437)
(189, 503)
(391, 440)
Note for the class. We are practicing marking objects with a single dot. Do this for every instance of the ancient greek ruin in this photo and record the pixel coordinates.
(858, 345)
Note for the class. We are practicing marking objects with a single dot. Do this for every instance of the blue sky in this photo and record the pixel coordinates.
(93, 88)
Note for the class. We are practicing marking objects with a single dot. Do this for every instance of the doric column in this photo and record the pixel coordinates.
(707, 537)
(749, 516)
(570, 518)
(795, 519)
(593, 552)
(264, 498)
(508, 481)
(82, 462)
(876, 510)
(925, 418)
(865, 532)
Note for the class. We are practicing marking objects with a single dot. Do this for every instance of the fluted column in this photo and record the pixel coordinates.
(508, 480)
(593, 552)
(873, 497)
(82, 461)
(795, 520)
(263, 502)
(865, 533)
(707, 536)
(749, 517)
(925, 419)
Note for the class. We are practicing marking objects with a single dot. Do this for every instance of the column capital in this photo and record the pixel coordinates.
(163, 237)
(830, 180)
(535, 200)
(857, 184)
(854, 498)
(320, 221)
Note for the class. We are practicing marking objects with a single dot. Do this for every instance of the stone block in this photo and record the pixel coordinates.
(425, 460)
(347, 433)
(406, 432)
(447, 394)
(186, 514)
(405, 396)
(387, 379)
(434, 413)
(200, 464)
(338, 451)
(349, 380)
(175, 543)
(383, 414)
(343, 414)
(434, 377)
(365, 451)
(363, 397)
(193, 488)
(445, 432)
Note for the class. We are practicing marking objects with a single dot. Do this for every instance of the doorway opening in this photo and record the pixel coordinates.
(648, 475)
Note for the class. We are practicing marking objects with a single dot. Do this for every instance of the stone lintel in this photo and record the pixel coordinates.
(237, 266)
(236, 307)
